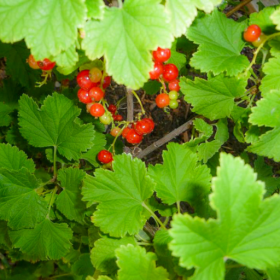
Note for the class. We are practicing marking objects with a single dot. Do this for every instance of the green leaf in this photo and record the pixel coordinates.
(5, 118)
(276, 18)
(222, 133)
(13, 159)
(47, 241)
(246, 230)
(148, 19)
(48, 27)
(266, 113)
(10, 93)
(265, 174)
(17, 67)
(203, 127)
(103, 254)
(20, 205)
(83, 266)
(213, 98)
(220, 40)
(95, 8)
(182, 13)
(271, 80)
(120, 195)
(55, 124)
(98, 145)
(67, 58)
(273, 273)
(69, 201)
(275, 46)
(208, 149)
(177, 58)
(263, 20)
(152, 87)
(136, 264)
(4, 237)
(174, 183)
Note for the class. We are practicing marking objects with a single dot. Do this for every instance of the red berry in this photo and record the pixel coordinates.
(174, 85)
(96, 94)
(118, 118)
(95, 75)
(84, 81)
(133, 137)
(162, 100)
(97, 110)
(105, 156)
(170, 72)
(106, 82)
(144, 126)
(84, 96)
(158, 70)
(125, 131)
(115, 131)
(46, 64)
(252, 33)
(32, 62)
(112, 108)
(161, 55)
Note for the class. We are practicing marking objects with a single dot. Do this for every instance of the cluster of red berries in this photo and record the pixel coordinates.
(45, 65)
(169, 73)
(91, 93)
(254, 35)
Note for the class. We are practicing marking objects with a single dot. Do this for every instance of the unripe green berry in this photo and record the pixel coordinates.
(173, 95)
(173, 104)
(106, 118)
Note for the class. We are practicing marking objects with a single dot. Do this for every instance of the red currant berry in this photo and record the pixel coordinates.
(32, 62)
(106, 82)
(105, 156)
(96, 94)
(144, 126)
(46, 64)
(174, 85)
(133, 137)
(125, 131)
(95, 75)
(162, 100)
(115, 131)
(118, 118)
(173, 104)
(97, 110)
(84, 96)
(84, 81)
(158, 70)
(151, 123)
(173, 95)
(170, 72)
(161, 55)
(112, 108)
(106, 118)
(252, 33)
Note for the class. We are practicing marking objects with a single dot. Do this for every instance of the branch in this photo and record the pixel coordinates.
(165, 139)
(130, 107)
(238, 7)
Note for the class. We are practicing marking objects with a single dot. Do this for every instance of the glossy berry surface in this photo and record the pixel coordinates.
(162, 100)
(32, 62)
(96, 94)
(252, 33)
(125, 131)
(106, 82)
(118, 118)
(133, 137)
(84, 81)
(174, 85)
(158, 70)
(46, 64)
(259, 41)
(115, 131)
(106, 118)
(105, 156)
(173, 95)
(95, 75)
(170, 72)
(173, 104)
(144, 126)
(97, 110)
(112, 108)
(161, 55)
(83, 96)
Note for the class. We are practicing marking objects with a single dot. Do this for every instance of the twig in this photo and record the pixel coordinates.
(165, 139)
(238, 7)
(130, 107)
